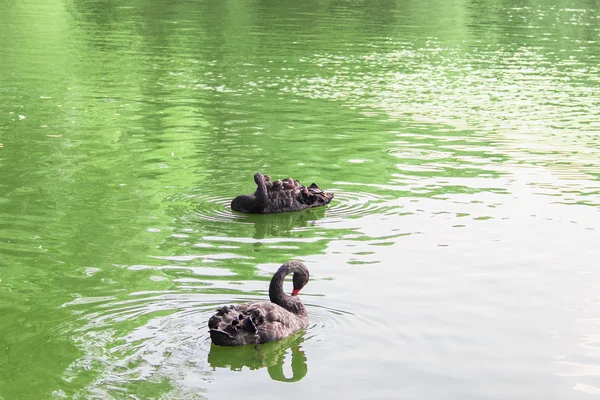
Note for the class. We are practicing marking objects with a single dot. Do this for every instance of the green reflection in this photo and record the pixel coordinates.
(142, 120)
(282, 224)
(271, 355)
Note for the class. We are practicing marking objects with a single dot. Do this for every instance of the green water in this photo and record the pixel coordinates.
(459, 258)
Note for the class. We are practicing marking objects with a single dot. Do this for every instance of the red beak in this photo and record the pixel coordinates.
(295, 292)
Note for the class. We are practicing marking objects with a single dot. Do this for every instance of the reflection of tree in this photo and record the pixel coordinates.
(214, 96)
(270, 355)
(228, 90)
(503, 16)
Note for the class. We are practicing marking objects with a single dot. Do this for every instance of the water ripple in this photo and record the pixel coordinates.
(170, 339)
(354, 204)
(217, 209)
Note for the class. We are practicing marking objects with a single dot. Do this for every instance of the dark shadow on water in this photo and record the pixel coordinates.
(270, 355)
(282, 224)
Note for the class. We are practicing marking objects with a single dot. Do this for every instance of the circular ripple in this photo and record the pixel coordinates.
(170, 338)
(170, 333)
(325, 324)
(333, 327)
(346, 204)
(206, 207)
(214, 208)
(217, 209)
(358, 204)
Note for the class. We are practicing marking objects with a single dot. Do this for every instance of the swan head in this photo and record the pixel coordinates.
(260, 178)
(300, 278)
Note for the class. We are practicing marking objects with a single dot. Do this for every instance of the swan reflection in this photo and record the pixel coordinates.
(282, 224)
(271, 355)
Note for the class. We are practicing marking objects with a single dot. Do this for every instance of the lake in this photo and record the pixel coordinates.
(458, 259)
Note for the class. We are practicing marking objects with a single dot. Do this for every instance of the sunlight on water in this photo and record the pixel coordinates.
(457, 259)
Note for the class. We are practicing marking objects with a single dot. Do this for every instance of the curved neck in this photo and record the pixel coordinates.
(261, 195)
(276, 294)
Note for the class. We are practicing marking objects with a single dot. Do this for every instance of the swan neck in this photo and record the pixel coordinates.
(261, 195)
(276, 293)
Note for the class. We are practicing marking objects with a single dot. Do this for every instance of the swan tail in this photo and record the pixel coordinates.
(234, 326)
(221, 338)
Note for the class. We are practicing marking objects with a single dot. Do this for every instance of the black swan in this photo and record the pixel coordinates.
(254, 323)
(280, 196)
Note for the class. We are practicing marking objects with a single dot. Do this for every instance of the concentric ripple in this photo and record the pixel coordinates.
(170, 340)
(358, 204)
(327, 322)
(217, 209)
(346, 204)
(206, 207)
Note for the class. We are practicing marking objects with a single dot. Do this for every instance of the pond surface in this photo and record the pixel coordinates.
(458, 260)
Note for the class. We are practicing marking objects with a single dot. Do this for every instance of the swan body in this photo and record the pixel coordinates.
(261, 322)
(280, 196)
